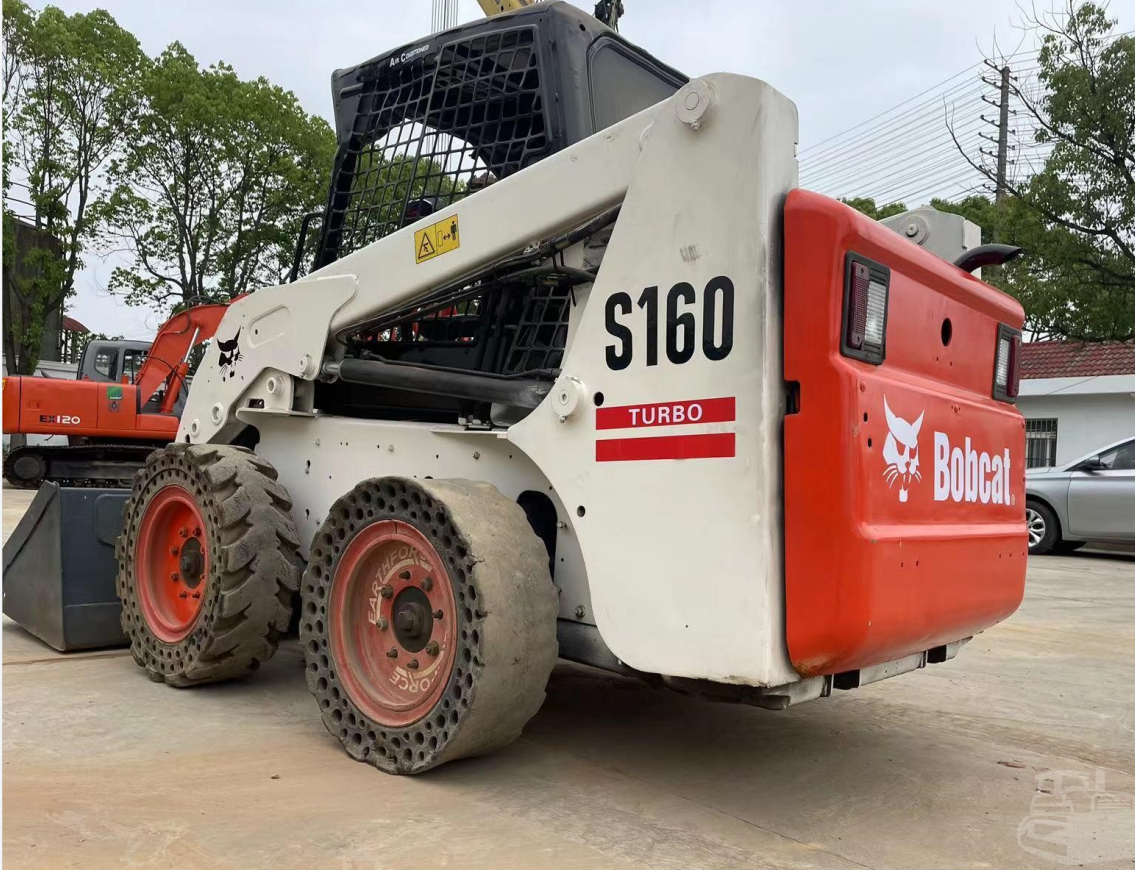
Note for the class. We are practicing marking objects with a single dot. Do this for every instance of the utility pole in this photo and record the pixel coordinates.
(1002, 140)
(1002, 136)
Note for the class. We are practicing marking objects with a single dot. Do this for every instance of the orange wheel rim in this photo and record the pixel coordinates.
(393, 623)
(172, 564)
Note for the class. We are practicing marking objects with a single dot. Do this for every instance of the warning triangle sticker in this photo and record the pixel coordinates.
(426, 248)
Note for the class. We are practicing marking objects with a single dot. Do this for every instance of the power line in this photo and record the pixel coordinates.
(914, 118)
(888, 111)
(917, 164)
(915, 127)
(1015, 58)
(910, 114)
(887, 157)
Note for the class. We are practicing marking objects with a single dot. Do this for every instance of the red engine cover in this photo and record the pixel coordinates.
(904, 482)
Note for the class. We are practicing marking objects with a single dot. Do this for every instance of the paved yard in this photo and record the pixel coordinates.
(935, 769)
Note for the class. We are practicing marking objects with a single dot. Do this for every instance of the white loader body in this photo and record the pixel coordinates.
(678, 563)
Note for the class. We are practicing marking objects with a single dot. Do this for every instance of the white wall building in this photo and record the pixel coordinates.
(1075, 398)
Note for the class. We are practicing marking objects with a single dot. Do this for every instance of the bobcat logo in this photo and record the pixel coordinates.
(228, 354)
(902, 465)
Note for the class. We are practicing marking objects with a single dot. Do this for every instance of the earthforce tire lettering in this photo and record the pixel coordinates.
(207, 565)
(428, 622)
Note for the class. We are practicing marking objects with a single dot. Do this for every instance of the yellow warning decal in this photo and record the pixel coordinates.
(435, 240)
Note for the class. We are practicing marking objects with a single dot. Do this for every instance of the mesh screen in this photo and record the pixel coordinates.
(428, 134)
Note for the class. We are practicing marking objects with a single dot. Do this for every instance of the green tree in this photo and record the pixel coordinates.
(68, 97)
(867, 205)
(976, 208)
(1075, 217)
(211, 186)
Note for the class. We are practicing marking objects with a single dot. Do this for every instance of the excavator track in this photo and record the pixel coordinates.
(111, 465)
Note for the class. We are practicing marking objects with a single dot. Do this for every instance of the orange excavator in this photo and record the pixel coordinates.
(111, 416)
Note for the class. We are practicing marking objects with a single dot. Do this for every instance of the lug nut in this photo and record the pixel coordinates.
(173, 551)
(196, 531)
(382, 623)
(427, 584)
(432, 648)
(386, 591)
(173, 576)
(413, 664)
(392, 653)
(183, 531)
(183, 595)
(438, 614)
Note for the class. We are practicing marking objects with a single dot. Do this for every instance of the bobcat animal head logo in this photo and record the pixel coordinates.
(228, 354)
(901, 450)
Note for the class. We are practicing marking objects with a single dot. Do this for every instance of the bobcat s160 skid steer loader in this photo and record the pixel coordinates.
(580, 370)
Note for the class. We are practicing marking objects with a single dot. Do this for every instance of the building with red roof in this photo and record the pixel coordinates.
(1076, 397)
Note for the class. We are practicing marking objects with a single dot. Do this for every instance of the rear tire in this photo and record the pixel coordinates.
(206, 564)
(1043, 527)
(429, 622)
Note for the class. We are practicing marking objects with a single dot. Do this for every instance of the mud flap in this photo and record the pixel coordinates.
(59, 568)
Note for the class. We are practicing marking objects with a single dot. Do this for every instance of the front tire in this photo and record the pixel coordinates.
(428, 623)
(206, 564)
(1043, 527)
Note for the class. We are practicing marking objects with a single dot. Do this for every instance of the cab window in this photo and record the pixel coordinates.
(624, 83)
(132, 360)
(105, 359)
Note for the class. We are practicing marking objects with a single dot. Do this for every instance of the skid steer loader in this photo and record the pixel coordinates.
(580, 370)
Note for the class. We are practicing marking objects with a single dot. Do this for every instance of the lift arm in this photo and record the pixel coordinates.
(168, 360)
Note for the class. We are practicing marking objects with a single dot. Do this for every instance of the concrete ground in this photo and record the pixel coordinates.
(955, 766)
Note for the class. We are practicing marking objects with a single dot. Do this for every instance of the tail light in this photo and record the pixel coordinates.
(866, 284)
(1007, 366)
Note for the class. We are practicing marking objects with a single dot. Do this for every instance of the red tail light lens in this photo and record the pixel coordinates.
(1007, 364)
(866, 286)
(859, 282)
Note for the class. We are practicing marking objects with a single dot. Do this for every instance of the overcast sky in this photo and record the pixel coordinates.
(841, 62)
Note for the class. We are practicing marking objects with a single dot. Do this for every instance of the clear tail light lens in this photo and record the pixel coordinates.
(866, 287)
(1007, 365)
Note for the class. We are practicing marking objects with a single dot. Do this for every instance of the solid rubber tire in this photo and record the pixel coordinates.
(507, 607)
(253, 570)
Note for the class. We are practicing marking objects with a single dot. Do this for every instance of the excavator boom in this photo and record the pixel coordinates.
(168, 361)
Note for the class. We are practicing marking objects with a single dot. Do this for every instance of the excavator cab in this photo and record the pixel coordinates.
(111, 360)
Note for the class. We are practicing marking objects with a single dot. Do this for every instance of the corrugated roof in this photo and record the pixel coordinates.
(1077, 359)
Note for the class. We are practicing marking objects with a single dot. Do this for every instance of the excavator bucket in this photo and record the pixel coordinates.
(59, 568)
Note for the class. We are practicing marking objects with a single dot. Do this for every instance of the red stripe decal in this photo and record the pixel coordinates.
(713, 446)
(682, 413)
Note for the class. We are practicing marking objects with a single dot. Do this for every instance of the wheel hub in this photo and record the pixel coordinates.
(413, 623)
(172, 564)
(392, 623)
(1034, 522)
(192, 563)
